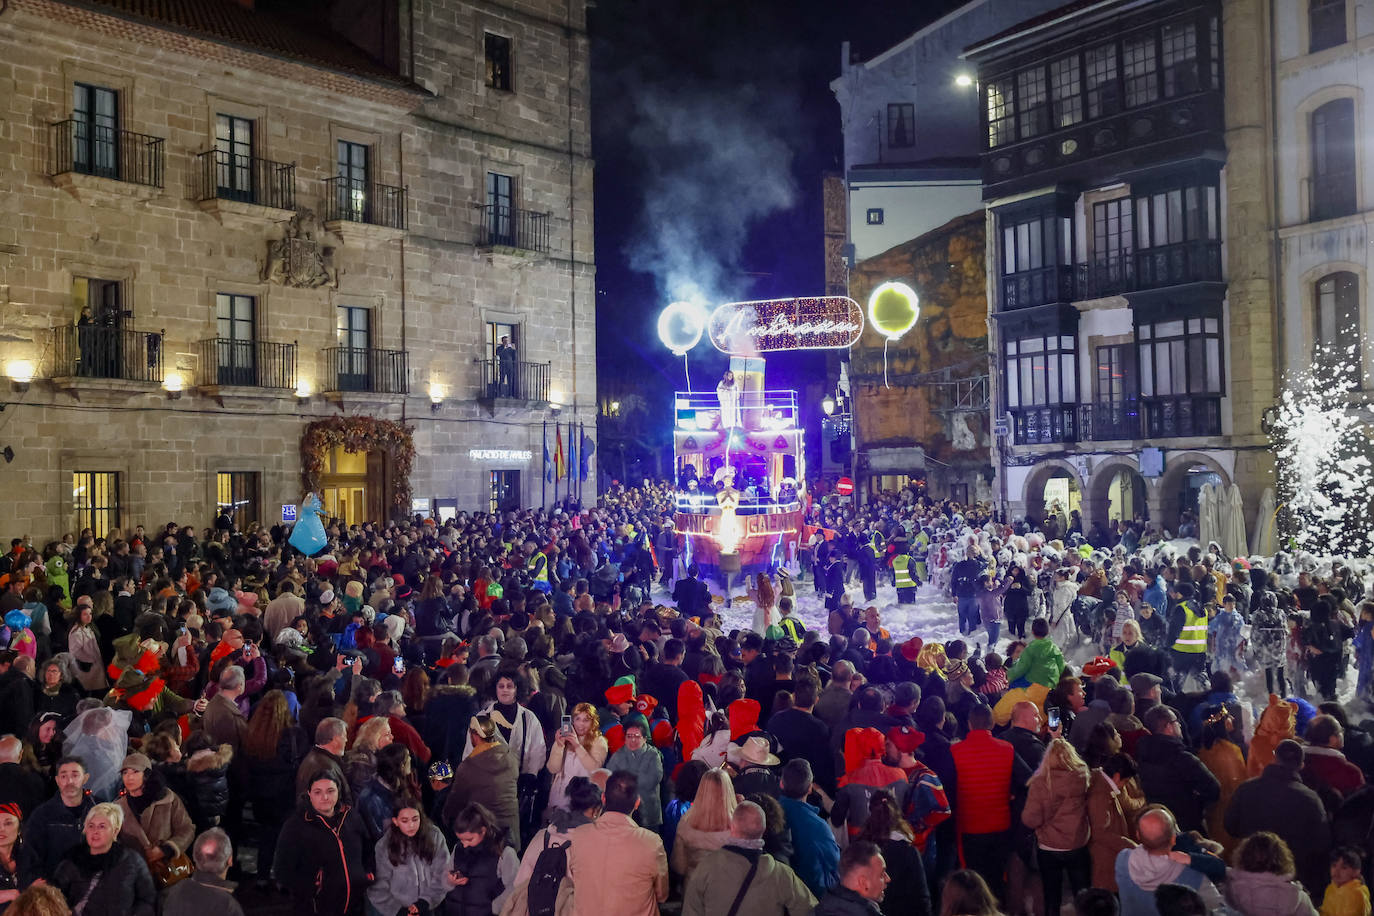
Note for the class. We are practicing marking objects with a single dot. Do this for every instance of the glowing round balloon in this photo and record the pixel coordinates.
(892, 309)
(681, 325)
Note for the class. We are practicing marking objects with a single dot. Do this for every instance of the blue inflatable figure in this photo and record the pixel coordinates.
(308, 536)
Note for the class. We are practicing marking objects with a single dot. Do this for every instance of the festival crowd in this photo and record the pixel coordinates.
(543, 712)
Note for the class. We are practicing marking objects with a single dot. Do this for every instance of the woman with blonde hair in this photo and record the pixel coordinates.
(360, 763)
(579, 750)
(1261, 878)
(706, 825)
(1057, 810)
(103, 877)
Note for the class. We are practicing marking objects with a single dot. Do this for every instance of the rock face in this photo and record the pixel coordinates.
(936, 400)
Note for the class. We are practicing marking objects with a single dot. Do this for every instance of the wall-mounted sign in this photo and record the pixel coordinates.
(770, 325)
(288, 512)
(500, 454)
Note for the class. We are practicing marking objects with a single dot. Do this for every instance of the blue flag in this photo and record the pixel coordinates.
(573, 450)
(548, 461)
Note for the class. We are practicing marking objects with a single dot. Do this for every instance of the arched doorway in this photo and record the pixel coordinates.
(1179, 487)
(1119, 494)
(1053, 489)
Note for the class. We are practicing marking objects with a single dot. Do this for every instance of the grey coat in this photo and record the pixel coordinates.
(776, 890)
(415, 879)
(647, 765)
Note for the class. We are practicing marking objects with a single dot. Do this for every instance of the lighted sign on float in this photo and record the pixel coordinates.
(773, 325)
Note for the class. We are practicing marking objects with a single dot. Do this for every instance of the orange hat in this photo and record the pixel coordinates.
(862, 744)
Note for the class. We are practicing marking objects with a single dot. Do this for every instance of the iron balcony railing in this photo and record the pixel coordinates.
(248, 179)
(367, 369)
(1047, 425)
(512, 228)
(247, 363)
(364, 202)
(1038, 287)
(77, 145)
(98, 351)
(1104, 422)
(1176, 264)
(515, 379)
(1181, 417)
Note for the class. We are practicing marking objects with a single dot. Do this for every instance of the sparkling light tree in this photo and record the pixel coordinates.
(1322, 447)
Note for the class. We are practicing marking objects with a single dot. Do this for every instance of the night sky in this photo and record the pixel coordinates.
(713, 122)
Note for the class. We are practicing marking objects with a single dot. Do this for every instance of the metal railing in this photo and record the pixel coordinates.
(364, 202)
(77, 145)
(1038, 287)
(1181, 262)
(517, 380)
(367, 369)
(248, 179)
(773, 409)
(1106, 276)
(512, 228)
(1044, 425)
(247, 363)
(1109, 421)
(1176, 417)
(97, 351)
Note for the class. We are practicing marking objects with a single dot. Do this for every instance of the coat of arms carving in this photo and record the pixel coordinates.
(298, 258)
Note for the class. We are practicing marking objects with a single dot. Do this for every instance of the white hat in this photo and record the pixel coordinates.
(754, 752)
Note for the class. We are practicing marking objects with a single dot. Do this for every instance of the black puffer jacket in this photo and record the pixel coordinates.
(208, 774)
(480, 866)
(115, 883)
(1173, 776)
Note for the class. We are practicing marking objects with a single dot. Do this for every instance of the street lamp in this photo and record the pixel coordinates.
(828, 405)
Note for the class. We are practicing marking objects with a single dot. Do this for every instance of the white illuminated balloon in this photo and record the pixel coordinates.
(680, 326)
(893, 308)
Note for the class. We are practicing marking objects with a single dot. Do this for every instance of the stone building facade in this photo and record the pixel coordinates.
(921, 402)
(271, 225)
(1324, 179)
(1126, 172)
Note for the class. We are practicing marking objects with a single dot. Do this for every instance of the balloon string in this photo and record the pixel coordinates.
(687, 371)
(886, 341)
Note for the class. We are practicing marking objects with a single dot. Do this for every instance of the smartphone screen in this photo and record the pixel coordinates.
(399, 665)
(567, 724)
(1053, 716)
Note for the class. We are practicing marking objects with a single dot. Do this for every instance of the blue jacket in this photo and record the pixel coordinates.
(816, 855)
(1155, 595)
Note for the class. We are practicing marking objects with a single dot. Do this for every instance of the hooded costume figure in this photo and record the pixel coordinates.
(56, 568)
(1277, 722)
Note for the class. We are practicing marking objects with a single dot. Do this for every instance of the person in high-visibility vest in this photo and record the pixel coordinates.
(1187, 639)
(904, 573)
(791, 626)
(537, 567)
(870, 551)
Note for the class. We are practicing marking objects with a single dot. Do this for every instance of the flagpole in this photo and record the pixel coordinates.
(544, 471)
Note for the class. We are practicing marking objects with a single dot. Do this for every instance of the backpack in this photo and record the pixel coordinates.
(549, 871)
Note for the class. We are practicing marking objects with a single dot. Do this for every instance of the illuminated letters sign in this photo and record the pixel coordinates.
(770, 325)
(500, 454)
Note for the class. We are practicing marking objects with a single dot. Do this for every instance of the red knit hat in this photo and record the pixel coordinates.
(862, 744)
(663, 733)
(911, 649)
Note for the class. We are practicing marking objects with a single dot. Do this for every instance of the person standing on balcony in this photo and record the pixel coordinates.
(505, 368)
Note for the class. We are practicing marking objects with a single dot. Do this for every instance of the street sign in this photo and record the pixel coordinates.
(288, 512)
(844, 486)
(1001, 426)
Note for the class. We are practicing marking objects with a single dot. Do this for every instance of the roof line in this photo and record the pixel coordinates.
(920, 33)
(1005, 38)
(399, 83)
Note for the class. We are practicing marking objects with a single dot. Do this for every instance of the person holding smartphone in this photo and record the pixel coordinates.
(579, 749)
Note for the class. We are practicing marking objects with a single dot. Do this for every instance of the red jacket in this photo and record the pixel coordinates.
(402, 732)
(1328, 766)
(983, 765)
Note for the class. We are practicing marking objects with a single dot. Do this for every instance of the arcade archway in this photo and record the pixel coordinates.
(1053, 488)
